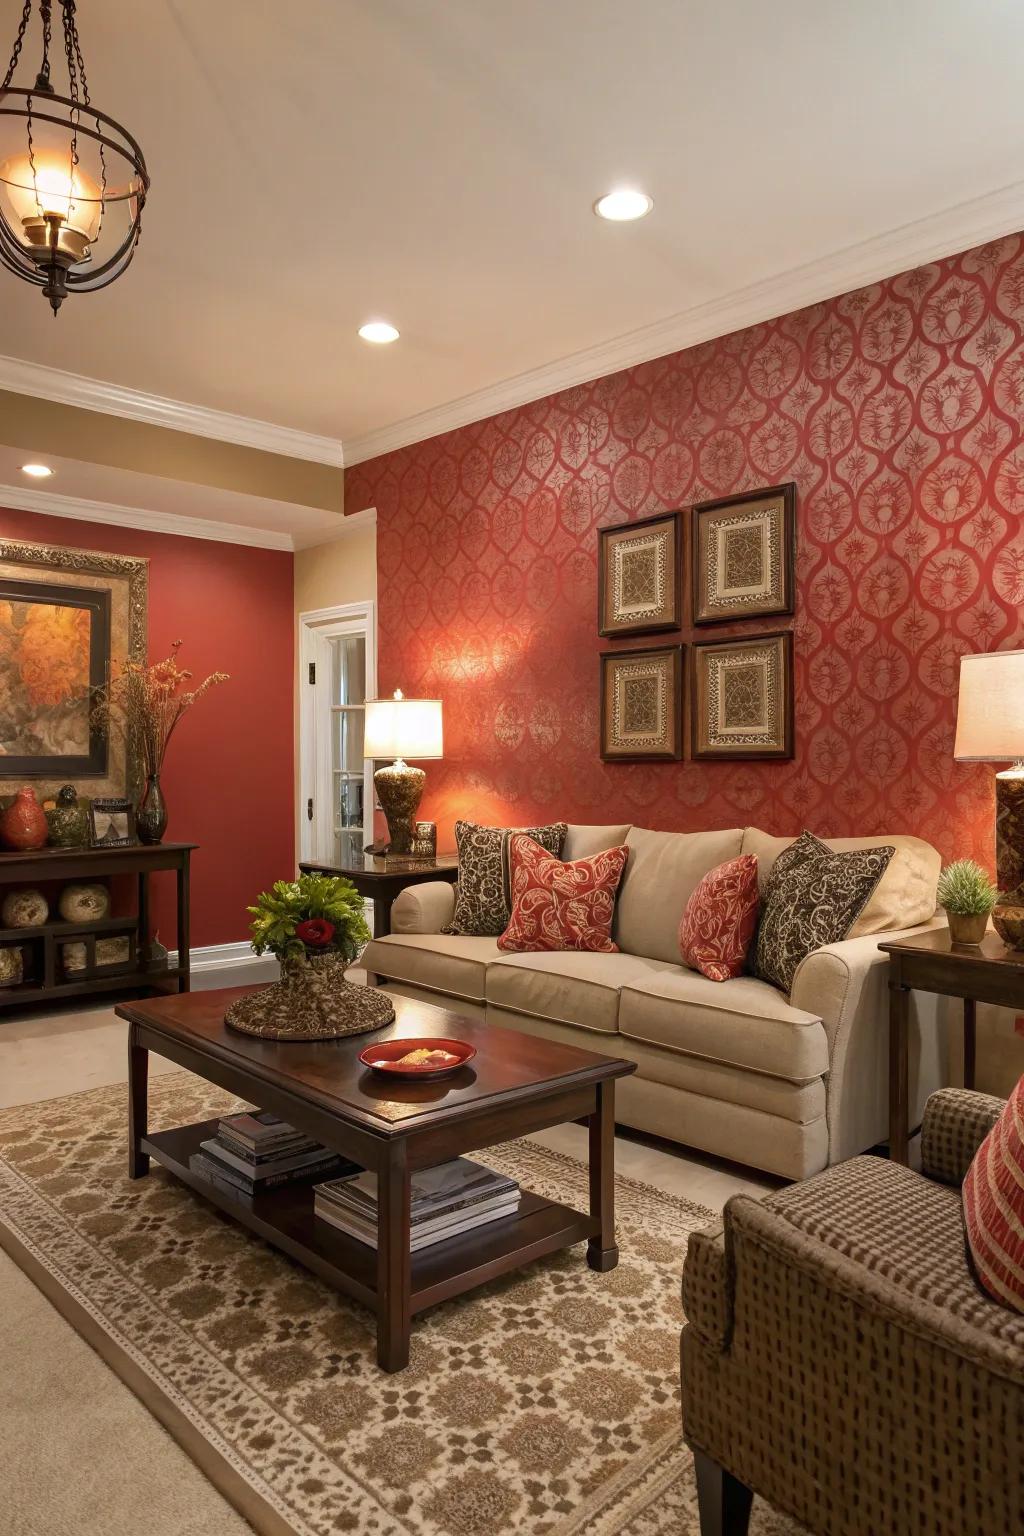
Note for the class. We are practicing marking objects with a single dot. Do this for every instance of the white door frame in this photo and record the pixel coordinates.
(310, 624)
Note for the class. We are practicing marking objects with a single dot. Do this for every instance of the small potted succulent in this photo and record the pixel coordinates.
(315, 926)
(968, 896)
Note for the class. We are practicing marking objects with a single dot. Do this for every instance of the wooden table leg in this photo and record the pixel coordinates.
(602, 1253)
(393, 1261)
(184, 941)
(138, 1106)
(899, 1072)
(723, 1501)
(970, 1040)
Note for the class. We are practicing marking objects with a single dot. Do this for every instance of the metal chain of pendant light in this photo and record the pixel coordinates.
(73, 182)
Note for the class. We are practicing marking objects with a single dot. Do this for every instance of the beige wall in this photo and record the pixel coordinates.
(343, 571)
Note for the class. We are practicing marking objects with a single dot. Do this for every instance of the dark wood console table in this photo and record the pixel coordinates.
(381, 880)
(978, 973)
(143, 973)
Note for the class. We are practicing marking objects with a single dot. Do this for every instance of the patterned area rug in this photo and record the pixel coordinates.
(546, 1402)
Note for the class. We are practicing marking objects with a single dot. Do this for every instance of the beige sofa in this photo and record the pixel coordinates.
(735, 1068)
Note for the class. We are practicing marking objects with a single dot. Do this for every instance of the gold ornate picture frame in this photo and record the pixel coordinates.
(639, 576)
(741, 694)
(642, 705)
(69, 620)
(744, 556)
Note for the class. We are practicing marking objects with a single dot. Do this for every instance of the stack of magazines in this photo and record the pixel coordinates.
(453, 1198)
(257, 1151)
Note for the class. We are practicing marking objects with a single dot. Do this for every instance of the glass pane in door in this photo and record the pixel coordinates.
(348, 696)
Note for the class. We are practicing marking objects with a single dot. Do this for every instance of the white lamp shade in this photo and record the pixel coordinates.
(403, 728)
(990, 711)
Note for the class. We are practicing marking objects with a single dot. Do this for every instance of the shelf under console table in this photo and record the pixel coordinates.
(143, 973)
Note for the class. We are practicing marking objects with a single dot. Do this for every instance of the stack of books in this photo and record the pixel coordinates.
(255, 1152)
(445, 1201)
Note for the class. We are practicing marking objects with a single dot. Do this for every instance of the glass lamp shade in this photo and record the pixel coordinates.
(403, 728)
(50, 192)
(990, 709)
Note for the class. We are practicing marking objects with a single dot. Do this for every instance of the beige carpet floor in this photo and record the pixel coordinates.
(546, 1402)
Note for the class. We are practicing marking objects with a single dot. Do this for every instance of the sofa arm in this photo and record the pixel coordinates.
(423, 908)
(847, 986)
(956, 1122)
(707, 1298)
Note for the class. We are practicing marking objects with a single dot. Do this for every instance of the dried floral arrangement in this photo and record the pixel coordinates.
(148, 703)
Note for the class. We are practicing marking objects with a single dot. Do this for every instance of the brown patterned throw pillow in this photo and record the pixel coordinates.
(482, 897)
(812, 898)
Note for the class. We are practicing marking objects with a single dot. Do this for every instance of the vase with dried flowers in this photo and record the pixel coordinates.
(148, 702)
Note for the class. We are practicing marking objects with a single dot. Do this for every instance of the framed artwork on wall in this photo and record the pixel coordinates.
(742, 698)
(639, 580)
(744, 555)
(69, 620)
(642, 705)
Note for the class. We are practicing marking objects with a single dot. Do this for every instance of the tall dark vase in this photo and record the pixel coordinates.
(151, 816)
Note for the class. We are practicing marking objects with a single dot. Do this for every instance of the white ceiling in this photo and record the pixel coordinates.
(318, 164)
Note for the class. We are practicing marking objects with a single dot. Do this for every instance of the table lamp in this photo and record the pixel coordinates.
(990, 729)
(399, 727)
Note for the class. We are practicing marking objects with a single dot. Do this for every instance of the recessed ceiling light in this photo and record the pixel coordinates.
(379, 331)
(623, 205)
(37, 471)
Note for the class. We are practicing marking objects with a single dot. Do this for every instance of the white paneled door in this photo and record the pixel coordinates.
(337, 673)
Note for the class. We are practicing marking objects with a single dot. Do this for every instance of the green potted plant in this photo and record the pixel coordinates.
(968, 896)
(315, 926)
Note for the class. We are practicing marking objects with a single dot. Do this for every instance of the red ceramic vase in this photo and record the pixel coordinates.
(23, 824)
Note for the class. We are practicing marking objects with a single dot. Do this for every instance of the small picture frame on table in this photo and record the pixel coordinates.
(642, 705)
(112, 824)
(744, 556)
(741, 694)
(639, 580)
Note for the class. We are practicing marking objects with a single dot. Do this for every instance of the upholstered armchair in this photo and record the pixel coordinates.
(840, 1361)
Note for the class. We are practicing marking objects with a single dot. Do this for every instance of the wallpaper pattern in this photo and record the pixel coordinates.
(898, 411)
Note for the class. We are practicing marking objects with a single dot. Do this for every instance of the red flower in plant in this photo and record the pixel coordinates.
(316, 932)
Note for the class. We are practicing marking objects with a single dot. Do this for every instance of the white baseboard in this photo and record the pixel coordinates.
(227, 957)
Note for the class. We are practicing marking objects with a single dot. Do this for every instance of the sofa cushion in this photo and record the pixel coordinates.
(719, 920)
(661, 875)
(441, 962)
(812, 898)
(993, 1196)
(743, 1022)
(904, 1228)
(581, 842)
(905, 895)
(566, 986)
(558, 905)
(482, 902)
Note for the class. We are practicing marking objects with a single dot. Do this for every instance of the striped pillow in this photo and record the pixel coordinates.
(994, 1205)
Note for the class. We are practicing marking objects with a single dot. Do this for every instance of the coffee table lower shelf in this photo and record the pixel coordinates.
(284, 1217)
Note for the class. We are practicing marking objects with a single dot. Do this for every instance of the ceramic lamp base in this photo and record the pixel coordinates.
(400, 789)
(1010, 833)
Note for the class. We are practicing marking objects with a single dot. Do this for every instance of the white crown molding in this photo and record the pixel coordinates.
(900, 250)
(355, 522)
(25, 378)
(25, 499)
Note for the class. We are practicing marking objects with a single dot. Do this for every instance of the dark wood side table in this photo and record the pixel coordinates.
(47, 980)
(978, 973)
(381, 880)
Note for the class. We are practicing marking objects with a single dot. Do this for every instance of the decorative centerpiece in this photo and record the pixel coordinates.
(147, 702)
(68, 820)
(316, 928)
(968, 896)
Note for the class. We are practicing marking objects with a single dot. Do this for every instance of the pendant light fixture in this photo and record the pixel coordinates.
(72, 181)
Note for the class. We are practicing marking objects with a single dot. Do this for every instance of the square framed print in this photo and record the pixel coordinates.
(639, 582)
(742, 698)
(744, 556)
(113, 823)
(642, 705)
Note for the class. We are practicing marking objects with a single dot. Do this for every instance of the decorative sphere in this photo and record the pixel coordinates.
(24, 909)
(84, 903)
(12, 968)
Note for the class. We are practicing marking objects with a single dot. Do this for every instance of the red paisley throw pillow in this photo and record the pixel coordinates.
(993, 1196)
(720, 918)
(561, 906)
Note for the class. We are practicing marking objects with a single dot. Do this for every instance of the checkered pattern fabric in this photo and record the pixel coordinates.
(956, 1122)
(863, 1382)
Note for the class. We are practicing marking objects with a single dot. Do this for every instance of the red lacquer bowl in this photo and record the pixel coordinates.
(384, 1057)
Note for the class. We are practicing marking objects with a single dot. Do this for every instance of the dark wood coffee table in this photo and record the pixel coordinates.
(516, 1084)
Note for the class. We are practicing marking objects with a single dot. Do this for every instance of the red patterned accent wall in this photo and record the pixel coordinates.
(898, 411)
